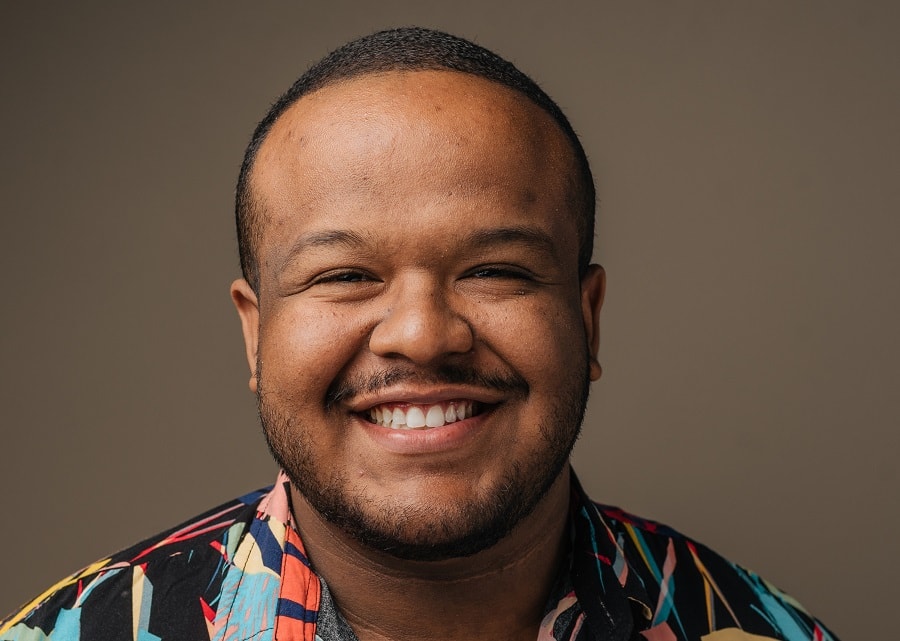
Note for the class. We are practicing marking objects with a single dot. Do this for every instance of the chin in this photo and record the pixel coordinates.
(427, 527)
(433, 529)
(424, 526)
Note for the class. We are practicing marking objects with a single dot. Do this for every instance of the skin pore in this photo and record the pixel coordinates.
(419, 251)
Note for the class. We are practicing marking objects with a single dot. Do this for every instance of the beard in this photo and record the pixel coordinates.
(427, 532)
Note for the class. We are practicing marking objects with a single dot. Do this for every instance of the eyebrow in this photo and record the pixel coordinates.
(481, 239)
(535, 239)
(327, 238)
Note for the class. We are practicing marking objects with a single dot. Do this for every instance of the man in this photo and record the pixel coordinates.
(420, 316)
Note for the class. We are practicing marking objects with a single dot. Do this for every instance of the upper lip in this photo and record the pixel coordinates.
(424, 396)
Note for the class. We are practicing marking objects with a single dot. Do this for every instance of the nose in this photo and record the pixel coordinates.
(420, 325)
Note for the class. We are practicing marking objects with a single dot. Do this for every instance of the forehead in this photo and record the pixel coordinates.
(443, 97)
(396, 137)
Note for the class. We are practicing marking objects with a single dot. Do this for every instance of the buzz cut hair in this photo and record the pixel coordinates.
(405, 49)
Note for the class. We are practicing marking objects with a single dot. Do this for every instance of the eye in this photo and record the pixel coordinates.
(343, 276)
(500, 271)
(501, 281)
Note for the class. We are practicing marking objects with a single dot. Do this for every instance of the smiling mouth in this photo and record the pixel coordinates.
(409, 416)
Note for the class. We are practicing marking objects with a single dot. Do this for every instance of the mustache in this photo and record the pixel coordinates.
(371, 383)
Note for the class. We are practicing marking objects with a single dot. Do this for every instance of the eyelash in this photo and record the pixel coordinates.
(348, 276)
(486, 272)
(501, 272)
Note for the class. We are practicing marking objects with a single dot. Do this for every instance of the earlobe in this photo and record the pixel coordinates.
(247, 305)
(593, 289)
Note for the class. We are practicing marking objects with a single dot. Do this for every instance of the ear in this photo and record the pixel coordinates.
(593, 289)
(247, 306)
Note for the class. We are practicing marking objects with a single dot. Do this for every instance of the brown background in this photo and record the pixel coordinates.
(747, 156)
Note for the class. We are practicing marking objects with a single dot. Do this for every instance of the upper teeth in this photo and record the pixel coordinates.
(411, 417)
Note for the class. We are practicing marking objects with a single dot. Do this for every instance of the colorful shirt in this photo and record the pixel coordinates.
(240, 572)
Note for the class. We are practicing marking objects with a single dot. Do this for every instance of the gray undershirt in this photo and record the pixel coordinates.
(331, 626)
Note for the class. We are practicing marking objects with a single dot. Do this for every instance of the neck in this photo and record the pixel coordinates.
(498, 594)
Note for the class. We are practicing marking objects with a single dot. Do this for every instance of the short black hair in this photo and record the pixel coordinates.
(406, 49)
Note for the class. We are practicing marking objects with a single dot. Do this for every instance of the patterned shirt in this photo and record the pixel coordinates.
(240, 572)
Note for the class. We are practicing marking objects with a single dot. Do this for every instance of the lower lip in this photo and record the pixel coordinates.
(431, 440)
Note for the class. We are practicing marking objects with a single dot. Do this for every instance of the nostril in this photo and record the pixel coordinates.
(421, 329)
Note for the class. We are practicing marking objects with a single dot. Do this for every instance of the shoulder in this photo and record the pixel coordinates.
(172, 578)
(698, 590)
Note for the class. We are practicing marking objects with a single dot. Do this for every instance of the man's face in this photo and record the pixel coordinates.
(421, 344)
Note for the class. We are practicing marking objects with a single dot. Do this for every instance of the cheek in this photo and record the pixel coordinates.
(539, 338)
(304, 348)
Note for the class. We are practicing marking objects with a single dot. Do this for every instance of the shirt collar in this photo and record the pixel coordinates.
(610, 594)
